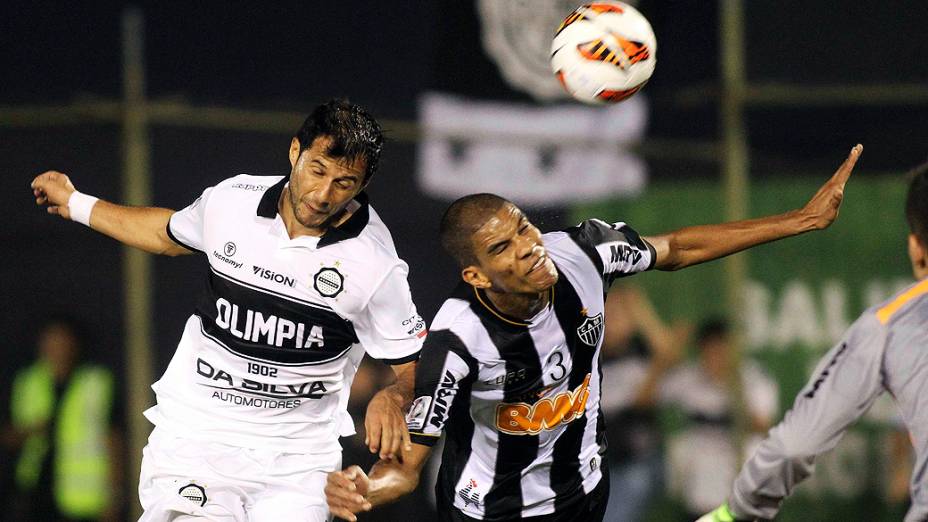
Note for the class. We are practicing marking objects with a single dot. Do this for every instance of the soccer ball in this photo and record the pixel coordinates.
(603, 52)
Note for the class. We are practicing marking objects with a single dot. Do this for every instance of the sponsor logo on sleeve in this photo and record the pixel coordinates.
(415, 325)
(444, 396)
(415, 419)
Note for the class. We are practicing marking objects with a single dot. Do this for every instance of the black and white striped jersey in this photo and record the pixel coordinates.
(519, 400)
(274, 343)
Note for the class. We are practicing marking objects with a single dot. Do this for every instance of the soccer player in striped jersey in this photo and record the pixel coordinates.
(883, 351)
(510, 368)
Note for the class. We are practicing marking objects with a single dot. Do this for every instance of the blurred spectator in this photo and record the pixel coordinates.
(701, 462)
(636, 342)
(68, 453)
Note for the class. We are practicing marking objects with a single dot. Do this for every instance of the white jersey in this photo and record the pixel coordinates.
(269, 354)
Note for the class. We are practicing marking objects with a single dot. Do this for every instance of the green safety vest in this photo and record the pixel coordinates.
(82, 464)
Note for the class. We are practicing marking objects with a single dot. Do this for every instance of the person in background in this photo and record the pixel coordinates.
(636, 343)
(883, 351)
(64, 415)
(702, 459)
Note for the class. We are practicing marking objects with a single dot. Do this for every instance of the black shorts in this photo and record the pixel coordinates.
(590, 508)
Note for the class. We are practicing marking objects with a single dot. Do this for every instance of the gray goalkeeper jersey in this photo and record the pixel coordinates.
(886, 349)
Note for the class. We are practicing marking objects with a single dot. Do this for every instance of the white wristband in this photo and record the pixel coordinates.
(80, 205)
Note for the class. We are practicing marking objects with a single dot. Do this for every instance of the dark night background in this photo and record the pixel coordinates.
(383, 55)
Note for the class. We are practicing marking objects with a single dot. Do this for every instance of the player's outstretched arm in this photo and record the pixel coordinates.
(698, 244)
(352, 491)
(140, 227)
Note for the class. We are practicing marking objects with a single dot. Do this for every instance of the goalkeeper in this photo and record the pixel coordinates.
(886, 349)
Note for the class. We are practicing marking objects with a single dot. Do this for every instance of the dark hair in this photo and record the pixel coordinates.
(462, 219)
(712, 328)
(355, 133)
(916, 203)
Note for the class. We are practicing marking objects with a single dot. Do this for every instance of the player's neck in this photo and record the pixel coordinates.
(520, 306)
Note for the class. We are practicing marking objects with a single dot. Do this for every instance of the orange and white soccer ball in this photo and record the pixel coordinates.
(604, 52)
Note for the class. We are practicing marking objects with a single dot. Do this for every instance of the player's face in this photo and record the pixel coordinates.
(510, 254)
(320, 185)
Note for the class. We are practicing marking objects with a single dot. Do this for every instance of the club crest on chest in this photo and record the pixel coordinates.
(591, 329)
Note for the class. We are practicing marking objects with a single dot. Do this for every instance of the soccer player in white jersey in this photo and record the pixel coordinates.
(883, 351)
(304, 279)
(510, 369)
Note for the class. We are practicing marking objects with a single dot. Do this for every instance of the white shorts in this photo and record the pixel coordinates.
(185, 480)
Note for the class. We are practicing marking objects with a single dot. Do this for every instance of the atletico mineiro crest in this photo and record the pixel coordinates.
(590, 330)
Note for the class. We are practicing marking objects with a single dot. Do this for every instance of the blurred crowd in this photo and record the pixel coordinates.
(672, 402)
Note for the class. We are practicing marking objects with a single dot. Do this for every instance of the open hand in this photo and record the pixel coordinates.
(822, 209)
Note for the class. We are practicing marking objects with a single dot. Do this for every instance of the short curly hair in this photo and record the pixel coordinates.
(355, 133)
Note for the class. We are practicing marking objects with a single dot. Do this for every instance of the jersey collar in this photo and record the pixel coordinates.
(351, 228)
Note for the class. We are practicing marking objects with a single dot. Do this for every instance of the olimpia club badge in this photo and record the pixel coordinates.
(328, 281)
(194, 493)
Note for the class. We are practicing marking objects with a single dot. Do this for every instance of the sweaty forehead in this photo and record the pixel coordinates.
(501, 223)
(319, 153)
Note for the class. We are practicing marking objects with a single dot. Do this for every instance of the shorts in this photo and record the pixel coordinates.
(589, 508)
(185, 480)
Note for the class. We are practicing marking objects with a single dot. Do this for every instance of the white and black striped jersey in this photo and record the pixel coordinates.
(274, 343)
(519, 400)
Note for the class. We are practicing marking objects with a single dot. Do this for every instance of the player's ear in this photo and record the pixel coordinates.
(475, 277)
(918, 254)
(294, 151)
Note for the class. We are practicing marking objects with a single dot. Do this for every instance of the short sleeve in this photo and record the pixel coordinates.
(443, 378)
(186, 226)
(391, 329)
(615, 248)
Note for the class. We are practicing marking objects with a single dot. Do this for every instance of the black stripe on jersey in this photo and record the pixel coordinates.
(566, 479)
(259, 359)
(178, 241)
(581, 236)
(514, 452)
(256, 324)
(402, 360)
(430, 376)
(457, 422)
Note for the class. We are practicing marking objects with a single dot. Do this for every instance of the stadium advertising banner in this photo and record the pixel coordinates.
(801, 296)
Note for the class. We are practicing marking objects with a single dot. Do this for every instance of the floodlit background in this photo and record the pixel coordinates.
(752, 106)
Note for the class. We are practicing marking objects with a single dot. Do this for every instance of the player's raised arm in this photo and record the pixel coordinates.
(698, 244)
(141, 227)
